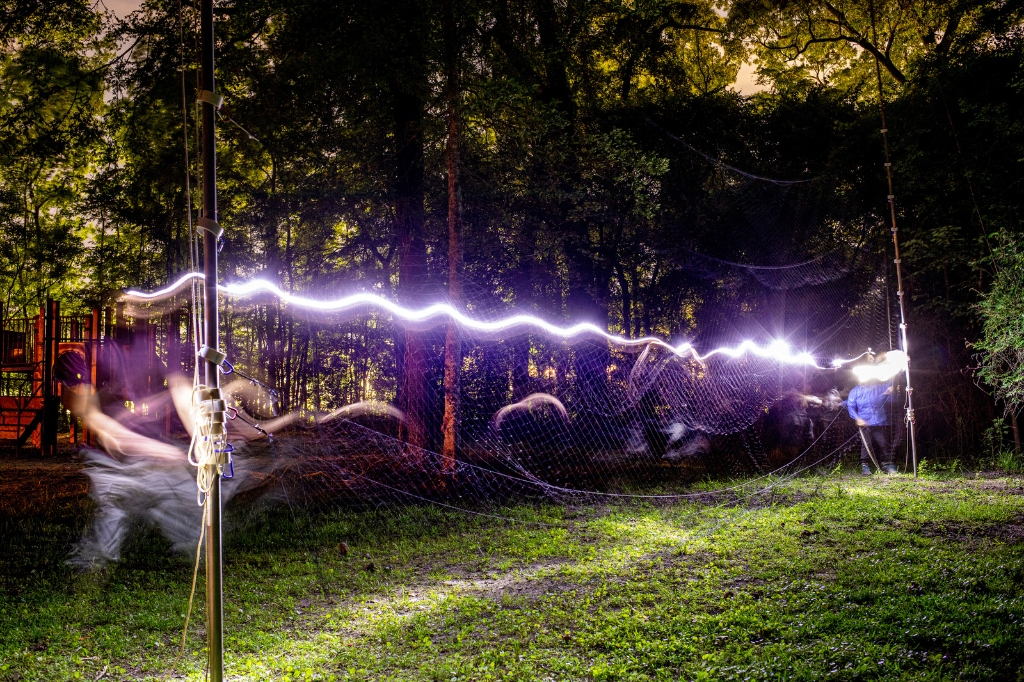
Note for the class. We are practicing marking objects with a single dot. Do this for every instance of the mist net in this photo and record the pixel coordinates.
(370, 400)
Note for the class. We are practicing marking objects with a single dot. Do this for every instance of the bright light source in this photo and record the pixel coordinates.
(894, 362)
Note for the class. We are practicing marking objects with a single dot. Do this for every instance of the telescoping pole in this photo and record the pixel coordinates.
(210, 101)
(899, 271)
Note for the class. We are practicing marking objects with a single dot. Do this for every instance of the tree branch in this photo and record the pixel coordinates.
(859, 39)
(947, 35)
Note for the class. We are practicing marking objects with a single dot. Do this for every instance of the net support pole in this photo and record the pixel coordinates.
(214, 563)
(910, 418)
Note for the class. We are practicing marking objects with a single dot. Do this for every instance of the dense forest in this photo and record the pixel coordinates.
(580, 159)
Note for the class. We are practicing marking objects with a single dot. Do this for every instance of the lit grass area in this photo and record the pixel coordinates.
(835, 577)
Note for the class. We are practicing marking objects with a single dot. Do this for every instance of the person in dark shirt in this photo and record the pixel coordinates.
(867, 405)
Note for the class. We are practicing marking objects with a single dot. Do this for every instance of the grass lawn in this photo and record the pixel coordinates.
(836, 577)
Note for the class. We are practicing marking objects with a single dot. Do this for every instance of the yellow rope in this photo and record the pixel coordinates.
(191, 596)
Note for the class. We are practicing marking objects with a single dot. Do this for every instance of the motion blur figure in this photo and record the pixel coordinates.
(867, 405)
(137, 478)
(140, 477)
(141, 491)
(795, 421)
(684, 443)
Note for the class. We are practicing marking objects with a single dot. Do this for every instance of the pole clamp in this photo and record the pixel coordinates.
(211, 226)
(211, 411)
(214, 99)
(212, 355)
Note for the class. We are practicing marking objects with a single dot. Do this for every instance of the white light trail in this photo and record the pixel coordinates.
(839, 362)
(779, 351)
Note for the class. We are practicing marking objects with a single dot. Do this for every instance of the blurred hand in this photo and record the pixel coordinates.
(861, 422)
(888, 391)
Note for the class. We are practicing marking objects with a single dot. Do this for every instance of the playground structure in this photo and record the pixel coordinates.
(34, 401)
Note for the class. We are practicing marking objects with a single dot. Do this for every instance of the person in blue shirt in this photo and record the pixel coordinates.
(867, 405)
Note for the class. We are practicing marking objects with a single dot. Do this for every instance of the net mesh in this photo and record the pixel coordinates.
(358, 410)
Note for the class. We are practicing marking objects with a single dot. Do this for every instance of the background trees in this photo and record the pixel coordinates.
(576, 153)
(51, 73)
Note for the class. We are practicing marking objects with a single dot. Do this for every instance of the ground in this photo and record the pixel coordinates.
(830, 576)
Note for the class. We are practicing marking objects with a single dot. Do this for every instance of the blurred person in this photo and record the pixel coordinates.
(867, 405)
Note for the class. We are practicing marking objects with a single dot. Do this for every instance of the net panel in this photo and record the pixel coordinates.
(358, 407)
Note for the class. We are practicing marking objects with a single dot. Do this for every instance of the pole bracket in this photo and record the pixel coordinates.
(210, 407)
(212, 355)
(214, 99)
(211, 226)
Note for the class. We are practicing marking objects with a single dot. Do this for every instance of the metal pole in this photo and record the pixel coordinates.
(899, 279)
(896, 246)
(214, 561)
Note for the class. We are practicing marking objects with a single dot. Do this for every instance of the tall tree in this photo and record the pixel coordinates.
(453, 343)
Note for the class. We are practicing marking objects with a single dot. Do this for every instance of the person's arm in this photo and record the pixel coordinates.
(855, 408)
(851, 405)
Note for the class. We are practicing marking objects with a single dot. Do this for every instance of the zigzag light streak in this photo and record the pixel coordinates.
(778, 350)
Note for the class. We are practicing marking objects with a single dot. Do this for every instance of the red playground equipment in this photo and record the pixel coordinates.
(33, 403)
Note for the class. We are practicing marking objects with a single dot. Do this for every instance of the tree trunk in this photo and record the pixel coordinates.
(453, 344)
(526, 300)
(1016, 430)
(413, 393)
(627, 303)
(550, 32)
(586, 303)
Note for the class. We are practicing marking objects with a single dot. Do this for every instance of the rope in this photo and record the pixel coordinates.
(202, 479)
(721, 163)
(193, 247)
(209, 450)
(191, 597)
(785, 478)
(538, 482)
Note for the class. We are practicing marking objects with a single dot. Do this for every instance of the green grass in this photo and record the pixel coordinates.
(841, 578)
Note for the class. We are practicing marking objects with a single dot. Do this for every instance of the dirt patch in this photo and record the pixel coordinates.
(526, 583)
(1010, 533)
(37, 487)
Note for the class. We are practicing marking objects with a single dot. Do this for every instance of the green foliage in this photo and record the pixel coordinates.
(1002, 342)
(50, 133)
(802, 43)
(1010, 462)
